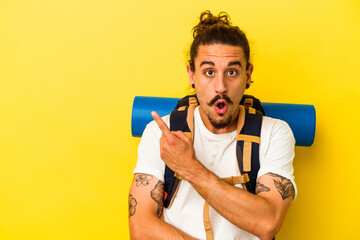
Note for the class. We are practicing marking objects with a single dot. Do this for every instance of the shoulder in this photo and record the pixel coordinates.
(152, 134)
(277, 149)
(152, 129)
(276, 129)
(149, 160)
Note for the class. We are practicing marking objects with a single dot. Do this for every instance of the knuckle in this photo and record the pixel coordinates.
(171, 142)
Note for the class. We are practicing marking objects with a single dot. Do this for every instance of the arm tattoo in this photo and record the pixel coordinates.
(283, 185)
(132, 205)
(158, 195)
(261, 188)
(143, 179)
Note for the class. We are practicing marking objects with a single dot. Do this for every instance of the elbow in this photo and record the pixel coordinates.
(138, 233)
(140, 228)
(137, 230)
(267, 235)
(269, 230)
(137, 236)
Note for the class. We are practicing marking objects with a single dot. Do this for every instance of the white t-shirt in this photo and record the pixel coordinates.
(217, 153)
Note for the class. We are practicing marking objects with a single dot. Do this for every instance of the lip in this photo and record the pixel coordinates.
(222, 110)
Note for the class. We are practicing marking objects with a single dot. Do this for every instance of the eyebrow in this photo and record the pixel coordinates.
(229, 65)
(234, 63)
(210, 63)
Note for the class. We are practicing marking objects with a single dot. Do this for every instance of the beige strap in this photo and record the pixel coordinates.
(252, 110)
(241, 119)
(182, 108)
(247, 156)
(207, 224)
(193, 101)
(188, 134)
(249, 138)
(237, 179)
(240, 125)
(206, 215)
(178, 176)
(190, 114)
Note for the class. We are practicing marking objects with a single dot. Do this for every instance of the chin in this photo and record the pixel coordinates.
(221, 122)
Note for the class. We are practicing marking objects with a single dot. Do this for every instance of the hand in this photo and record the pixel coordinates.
(176, 149)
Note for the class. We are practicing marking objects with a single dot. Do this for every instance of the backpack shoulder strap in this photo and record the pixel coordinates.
(247, 152)
(248, 142)
(182, 118)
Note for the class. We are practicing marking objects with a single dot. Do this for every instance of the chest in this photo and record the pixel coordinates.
(217, 155)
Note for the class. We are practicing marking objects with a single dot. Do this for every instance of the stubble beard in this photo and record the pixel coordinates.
(220, 124)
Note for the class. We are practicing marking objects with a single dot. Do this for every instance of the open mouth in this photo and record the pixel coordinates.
(220, 106)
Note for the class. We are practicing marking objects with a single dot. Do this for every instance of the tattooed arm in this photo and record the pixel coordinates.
(279, 192)
(145, 205)
(261, 214)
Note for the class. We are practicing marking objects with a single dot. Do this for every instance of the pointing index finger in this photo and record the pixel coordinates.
(162, 125)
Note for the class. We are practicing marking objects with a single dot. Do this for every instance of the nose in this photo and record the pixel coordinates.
(220, 84)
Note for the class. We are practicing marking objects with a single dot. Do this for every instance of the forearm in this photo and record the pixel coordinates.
(154, 228)
(245, 210)
(145, 205)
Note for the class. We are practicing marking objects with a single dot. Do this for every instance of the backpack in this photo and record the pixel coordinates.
(247, 149)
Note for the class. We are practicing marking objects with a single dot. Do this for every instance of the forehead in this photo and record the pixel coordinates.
(220, 53)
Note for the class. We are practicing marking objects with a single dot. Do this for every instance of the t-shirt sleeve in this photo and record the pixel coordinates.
(279, 152)
(149, 160)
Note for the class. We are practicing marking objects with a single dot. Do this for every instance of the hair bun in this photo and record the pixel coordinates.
(217, 30)
(207, 19)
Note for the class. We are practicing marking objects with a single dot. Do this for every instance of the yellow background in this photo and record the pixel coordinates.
(69, 71)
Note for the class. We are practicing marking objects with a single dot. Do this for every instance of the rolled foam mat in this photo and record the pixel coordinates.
(300, 117)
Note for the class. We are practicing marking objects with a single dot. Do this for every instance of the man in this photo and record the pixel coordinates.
(220, 71)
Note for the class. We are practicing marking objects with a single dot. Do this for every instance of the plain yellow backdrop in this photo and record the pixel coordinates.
(69, 71)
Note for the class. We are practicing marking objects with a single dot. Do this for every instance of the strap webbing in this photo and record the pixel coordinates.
(206, 215)
(181, 119)
(247, 156)
(250, 138)
(247, 149)
(190, 116)
(241, 119)
(207, 224)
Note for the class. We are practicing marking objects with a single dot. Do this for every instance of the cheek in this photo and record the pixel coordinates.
(238, 92)
(204, 96)
(201, 89)
(201, 97)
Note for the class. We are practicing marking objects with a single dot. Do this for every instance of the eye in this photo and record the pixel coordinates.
(232, 73)
(209, 73)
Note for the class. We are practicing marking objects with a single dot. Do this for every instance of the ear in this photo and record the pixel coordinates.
(248, 75)
(191, 75)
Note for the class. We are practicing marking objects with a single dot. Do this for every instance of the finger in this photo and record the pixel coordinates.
(161, 145)
(181, 135)
(162, 125)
